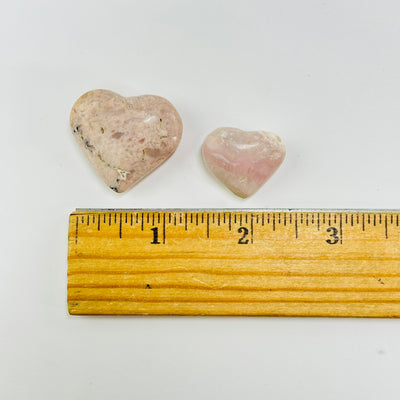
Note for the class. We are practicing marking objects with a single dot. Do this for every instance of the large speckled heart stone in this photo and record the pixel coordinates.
(125, 138)
(242, 161)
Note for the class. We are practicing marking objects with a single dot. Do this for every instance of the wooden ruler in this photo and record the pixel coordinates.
(221, 262)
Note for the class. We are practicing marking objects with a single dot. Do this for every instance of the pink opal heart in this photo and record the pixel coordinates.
(125, 138)
(242, 161)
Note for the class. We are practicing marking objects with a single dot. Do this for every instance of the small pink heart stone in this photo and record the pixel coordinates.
(125, 138)
(242, 161)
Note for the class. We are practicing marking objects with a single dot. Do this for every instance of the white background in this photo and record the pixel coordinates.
(324, 75)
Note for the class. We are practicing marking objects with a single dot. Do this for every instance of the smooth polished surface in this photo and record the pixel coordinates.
(243, 161)
(125, 138)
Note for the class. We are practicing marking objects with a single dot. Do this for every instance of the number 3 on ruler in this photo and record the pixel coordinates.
(333, 235)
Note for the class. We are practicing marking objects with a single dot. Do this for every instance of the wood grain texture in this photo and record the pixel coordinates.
(293, 263)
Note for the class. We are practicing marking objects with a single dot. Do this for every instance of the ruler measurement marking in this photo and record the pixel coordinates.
(251, 229)
(340, 228)
(76, 230)
(386, 227)
(276, 218)
(164, 228)
(377, 231)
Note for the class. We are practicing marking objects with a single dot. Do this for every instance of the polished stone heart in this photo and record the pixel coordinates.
(125, 138)
(242, 161)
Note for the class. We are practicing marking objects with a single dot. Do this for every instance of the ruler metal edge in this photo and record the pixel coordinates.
(336, 210)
